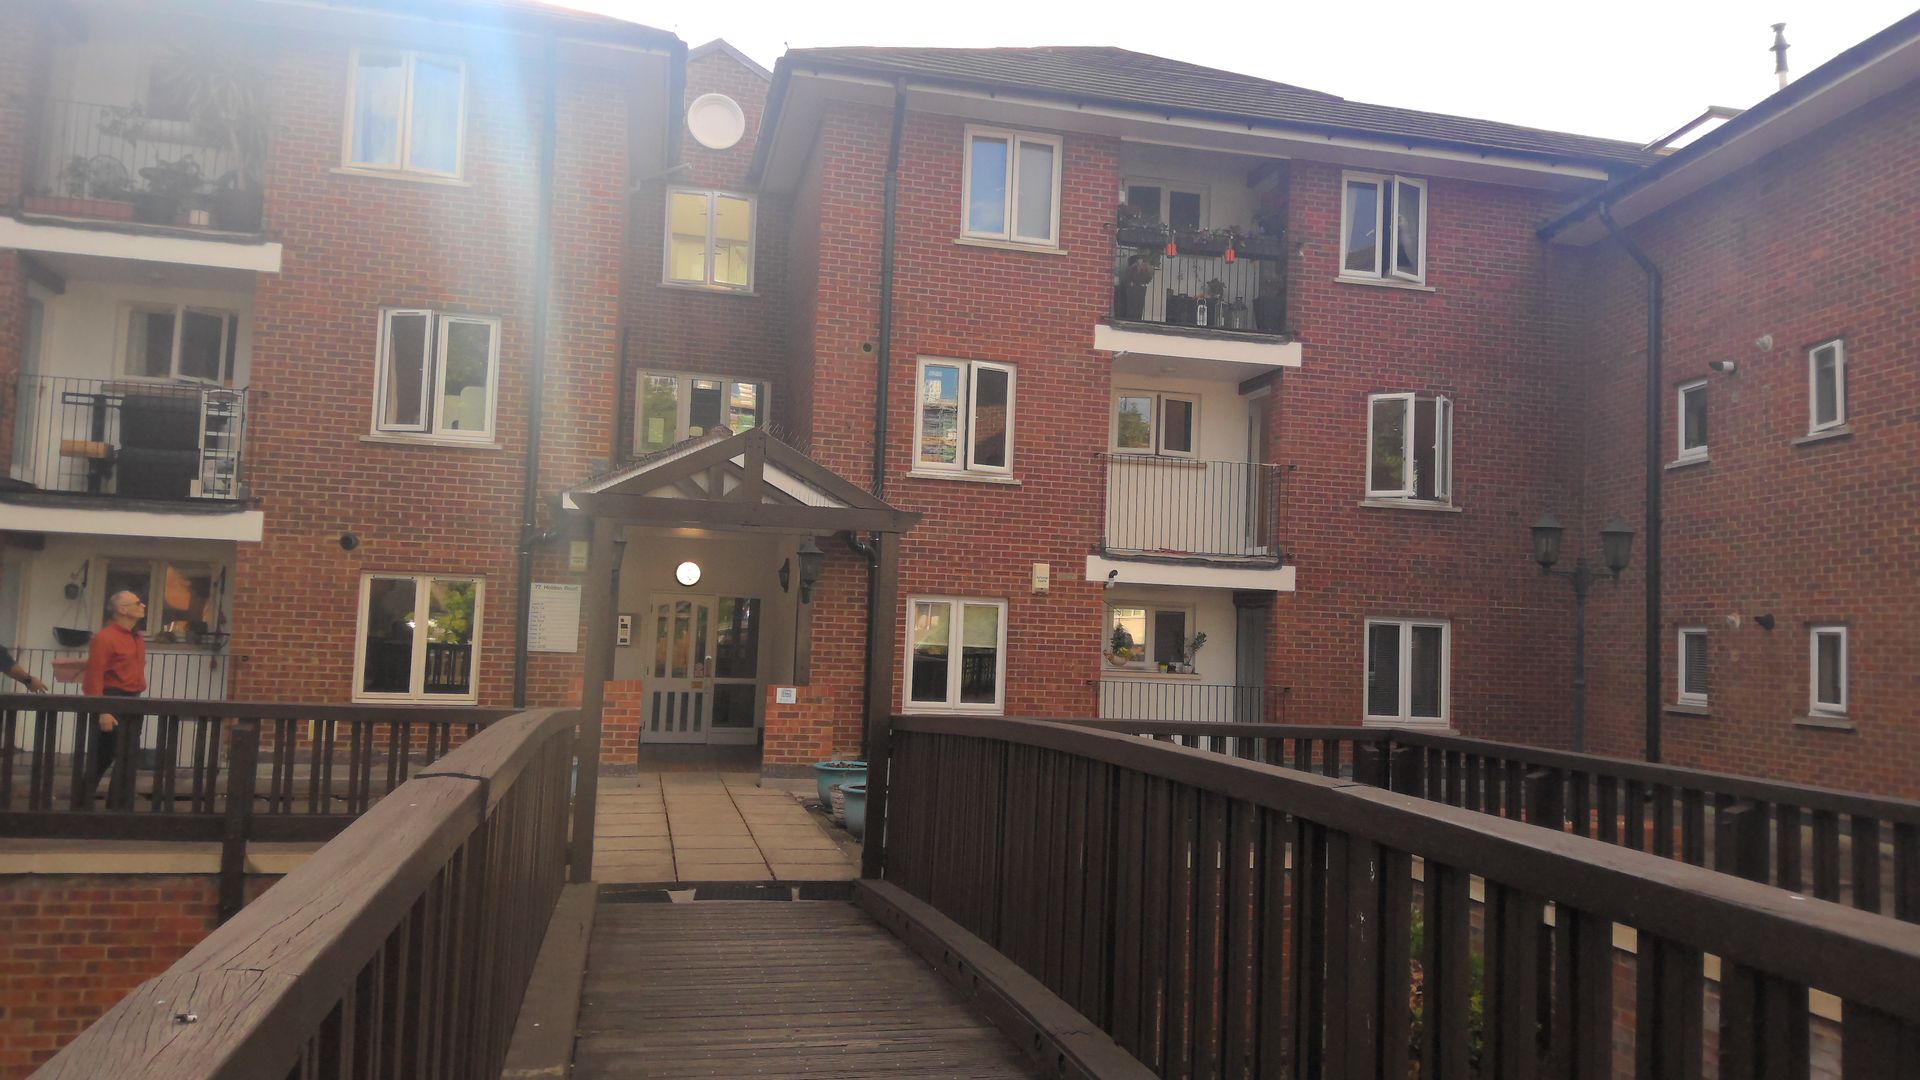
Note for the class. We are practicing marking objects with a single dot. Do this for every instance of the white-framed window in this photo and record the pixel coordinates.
(1826, 386)
(1151, 422)
(178, 342)
(406, 112)
(1691, 430)
(1827, 670)
(183, 604)
(1011, 187)
(1177, 204)
(1692, 666)
(709, 239)
(419, 638)
(436, 374)
(956, 654)
(1410, 447)
(1383, 227)
(1407, 665)
(963, 416)
(670, 407)
(1143, 637)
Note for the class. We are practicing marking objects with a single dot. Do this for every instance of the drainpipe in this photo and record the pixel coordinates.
(537, 370)
(1655, 640)
(883, 374)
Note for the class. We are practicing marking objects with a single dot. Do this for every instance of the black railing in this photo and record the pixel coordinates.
(150, 440)
(119, 162)
(1180, 700)
(1180, 506)
(191, 675)
(1218, 280)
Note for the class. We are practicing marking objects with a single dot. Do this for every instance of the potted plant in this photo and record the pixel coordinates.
(1136, 229)
(1190, 649)
(1266, 244)
(1119, 648)
(1213, 310)
(1135, 279)
(224, 94)
(169, 185)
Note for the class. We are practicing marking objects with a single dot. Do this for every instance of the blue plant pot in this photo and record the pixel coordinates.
(856, 795)
(829, 773)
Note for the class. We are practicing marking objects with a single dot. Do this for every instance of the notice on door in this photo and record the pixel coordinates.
(553, 623)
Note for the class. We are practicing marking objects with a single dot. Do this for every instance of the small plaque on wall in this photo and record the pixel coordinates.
(786, 695)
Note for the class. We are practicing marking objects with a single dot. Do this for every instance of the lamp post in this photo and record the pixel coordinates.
(1616, 544)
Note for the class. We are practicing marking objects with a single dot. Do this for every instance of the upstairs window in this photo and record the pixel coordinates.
(1146, 422)
(672, 408)
(174, 341)
(1826, 386)
(437, 374)
(964, 417)
(1827, 670)
(1692, 428)
(1383, 227)
(1693, 666)
(1011, 187)
(407, 112)
(1406, 672)
(710, 240)
(1410, 448)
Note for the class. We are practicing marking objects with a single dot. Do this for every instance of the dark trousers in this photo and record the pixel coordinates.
(107, 743)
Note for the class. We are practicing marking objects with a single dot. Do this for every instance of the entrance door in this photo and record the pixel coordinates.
(703, 676)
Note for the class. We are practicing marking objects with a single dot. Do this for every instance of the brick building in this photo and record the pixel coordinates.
(1216, 398)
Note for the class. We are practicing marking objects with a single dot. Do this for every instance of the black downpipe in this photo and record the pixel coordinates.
(883, 375)
(537, 371)
(1655, 643)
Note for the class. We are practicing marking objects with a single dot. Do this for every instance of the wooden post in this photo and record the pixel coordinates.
(882, 649)
(1407, 762)
(593, 695)
(243, 756)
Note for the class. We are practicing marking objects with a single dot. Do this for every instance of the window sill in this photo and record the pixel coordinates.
(1437, 726)
(437, 701)
(1687, 710)
(1824, 723)
(429, 440)
(1681, 463)
(1384, 283)
(701, 287)
(1844, 431)
(1010, 245)
(1427, 505)
(964, 477)
(403, 176)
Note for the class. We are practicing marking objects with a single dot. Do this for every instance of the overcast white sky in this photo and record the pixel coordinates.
(1630, 69)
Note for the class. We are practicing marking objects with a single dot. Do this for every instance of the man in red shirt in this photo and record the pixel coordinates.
(117, 667)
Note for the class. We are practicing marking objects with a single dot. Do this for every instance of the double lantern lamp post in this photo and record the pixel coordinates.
(1616, 545)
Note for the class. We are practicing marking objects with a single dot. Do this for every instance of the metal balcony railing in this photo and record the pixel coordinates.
(1184, 507)
(192, 675)
(1182, 701)
(118, 162)
(137, 439)
(1218, 279)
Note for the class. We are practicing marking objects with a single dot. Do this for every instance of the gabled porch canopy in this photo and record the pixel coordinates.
(745, 482)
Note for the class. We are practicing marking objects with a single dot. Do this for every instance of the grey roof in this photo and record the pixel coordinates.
(1119, 76)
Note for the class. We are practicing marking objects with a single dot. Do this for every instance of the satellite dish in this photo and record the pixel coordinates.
(715, 121)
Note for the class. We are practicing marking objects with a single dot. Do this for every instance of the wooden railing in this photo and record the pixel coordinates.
(1852, 848)
(1229, 917)
(211, 770)
(402, 948)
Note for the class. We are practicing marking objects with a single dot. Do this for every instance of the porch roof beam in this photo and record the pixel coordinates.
(726, 514)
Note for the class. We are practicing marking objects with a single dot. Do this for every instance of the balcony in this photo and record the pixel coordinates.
(1180, 508)
(128, 439)
(1164, 700)
(122, 163)
(1216, 281)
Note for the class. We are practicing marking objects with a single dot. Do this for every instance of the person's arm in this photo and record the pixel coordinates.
(19, 674)
(94, 682)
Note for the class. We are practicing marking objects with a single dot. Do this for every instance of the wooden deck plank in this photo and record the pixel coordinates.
(771, 989)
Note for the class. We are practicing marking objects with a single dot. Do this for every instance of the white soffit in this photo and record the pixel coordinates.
(1131, 572)
(260, 257)
(1235, 359)
(243, 526)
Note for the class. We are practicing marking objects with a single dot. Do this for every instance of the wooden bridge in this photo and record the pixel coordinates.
(1052, 898)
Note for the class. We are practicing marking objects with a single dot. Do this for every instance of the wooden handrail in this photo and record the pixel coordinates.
(1221, 915)
(401, 948)
(1852, 847)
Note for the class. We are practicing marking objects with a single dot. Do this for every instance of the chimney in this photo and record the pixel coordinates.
(1780, 53)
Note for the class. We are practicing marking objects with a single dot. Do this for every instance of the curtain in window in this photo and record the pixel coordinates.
(380, 86)
(433, 142)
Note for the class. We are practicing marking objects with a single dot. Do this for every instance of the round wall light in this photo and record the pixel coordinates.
(716, 121)
(687, 573)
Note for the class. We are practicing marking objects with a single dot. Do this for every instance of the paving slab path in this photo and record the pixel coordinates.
(685, 826)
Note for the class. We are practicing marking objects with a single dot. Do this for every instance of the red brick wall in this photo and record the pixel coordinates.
(71, 945)
(1490, 335)
(1815, 242)
(357, 243)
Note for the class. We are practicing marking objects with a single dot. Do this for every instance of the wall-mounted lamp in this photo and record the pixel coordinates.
(1113, 577)
(786, 574)
(812, 561)
(1764, 622)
